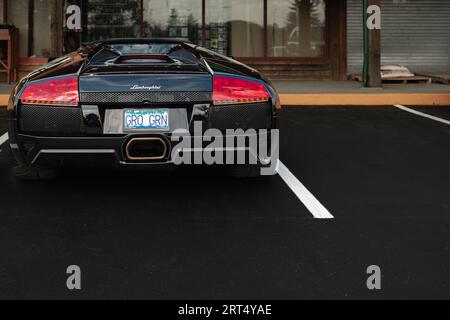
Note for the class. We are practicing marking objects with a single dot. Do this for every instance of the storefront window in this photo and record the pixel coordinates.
(296, 28)
(239, 28)
(110, 19)
(235, 27)
(35, 34)
(18, 15)
(173, 19)
(42, 21)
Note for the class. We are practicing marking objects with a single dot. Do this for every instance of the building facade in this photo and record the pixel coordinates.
(285, 39)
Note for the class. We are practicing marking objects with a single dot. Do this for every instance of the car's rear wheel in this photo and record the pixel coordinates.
(245, 171)
(34, 173)
(28, 172)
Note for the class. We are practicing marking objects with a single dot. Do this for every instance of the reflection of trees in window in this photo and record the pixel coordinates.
(301, 32)
(235, 27)
(111, 19)
(167, 19)
(193, 30)
(246, 39)
(305, 19)
(299, 21)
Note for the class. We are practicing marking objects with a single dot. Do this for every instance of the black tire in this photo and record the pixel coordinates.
(26, 172)
(7, 156)
(29, 173)
(244, 171)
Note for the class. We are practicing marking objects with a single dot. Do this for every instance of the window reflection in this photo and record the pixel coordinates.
(18, 15)
(42, 30)
(296, 28)
(110, 19)
(173, 19)
(235, 27)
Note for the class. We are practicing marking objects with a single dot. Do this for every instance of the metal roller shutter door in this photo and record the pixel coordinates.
(415, 33)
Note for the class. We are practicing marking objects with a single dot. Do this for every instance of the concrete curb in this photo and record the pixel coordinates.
(349, 99)
(4, 100)
(366, 99)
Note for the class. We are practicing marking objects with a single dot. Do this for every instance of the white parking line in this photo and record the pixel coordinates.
(422, 114)
(306, 197)
(3, 138)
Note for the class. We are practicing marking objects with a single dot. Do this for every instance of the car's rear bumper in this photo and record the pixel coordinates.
(108, 152)
(63, 137)
(67, 151)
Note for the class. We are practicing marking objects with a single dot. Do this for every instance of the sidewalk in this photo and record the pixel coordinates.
(315, 93)
(5, 90)
(352, 93)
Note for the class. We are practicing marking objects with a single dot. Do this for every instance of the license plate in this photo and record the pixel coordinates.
(146, 119)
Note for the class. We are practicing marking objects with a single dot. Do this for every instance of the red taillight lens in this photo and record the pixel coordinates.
(62, 91)
(232, 90)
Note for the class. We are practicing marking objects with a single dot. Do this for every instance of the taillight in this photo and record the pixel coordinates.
(61, 91)
(232, 90)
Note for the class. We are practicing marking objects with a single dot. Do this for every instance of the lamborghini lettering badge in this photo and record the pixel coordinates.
(153, 87)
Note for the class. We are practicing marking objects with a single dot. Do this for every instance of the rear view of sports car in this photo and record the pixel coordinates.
(118, 104)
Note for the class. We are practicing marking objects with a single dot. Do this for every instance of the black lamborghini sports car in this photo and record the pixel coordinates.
(117, 103)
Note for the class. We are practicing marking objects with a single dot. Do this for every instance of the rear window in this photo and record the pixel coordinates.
(148, 48)
(176, 52)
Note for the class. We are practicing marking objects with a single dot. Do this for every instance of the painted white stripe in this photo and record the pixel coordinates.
(3, 138)
(306, 197)
(422, 114)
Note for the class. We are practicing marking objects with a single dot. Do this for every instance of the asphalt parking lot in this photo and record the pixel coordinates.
(383, 173)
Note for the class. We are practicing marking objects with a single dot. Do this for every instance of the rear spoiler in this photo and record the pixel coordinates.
(104, 57)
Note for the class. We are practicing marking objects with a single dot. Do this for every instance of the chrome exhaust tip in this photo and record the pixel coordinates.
(146, 149)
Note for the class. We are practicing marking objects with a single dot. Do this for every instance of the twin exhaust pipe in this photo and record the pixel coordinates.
(146, 149)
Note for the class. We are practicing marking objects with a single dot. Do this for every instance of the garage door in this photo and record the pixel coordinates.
(415, 33)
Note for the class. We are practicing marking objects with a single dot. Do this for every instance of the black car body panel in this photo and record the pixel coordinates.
(145, 82)
(180, 80)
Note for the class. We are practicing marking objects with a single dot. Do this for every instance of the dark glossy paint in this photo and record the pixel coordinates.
(121, 78)
(78, 63)
(125, 83)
